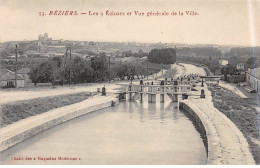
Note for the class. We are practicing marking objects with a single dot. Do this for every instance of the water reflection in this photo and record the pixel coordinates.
(130, 133)
(141, 111)
(151, 110)
(176, 112)
(162, 112)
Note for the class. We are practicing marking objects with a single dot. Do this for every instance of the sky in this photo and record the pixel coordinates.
(222, 22)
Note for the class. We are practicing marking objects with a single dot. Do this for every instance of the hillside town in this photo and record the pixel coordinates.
(235, 64)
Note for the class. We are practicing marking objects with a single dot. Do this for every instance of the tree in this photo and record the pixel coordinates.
(132, 72)
(42, 73)
(252, 62)
(140, 53)
(121, 71)
(78, 70)
(4, 54)
(47, 71)
(127, 53)
(99, 65)
(34, 75)
(81, 71)
(162, 56)
(228, 70)
(57, 61)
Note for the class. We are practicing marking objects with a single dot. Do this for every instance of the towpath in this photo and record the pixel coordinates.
(229, 144)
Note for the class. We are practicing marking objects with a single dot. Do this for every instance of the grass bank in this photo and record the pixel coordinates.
(170, 73)
(16, 111)
(158, 66)
(241, 113)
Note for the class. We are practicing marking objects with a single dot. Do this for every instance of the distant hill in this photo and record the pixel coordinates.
(244, 51)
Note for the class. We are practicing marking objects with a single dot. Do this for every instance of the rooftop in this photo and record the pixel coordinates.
(6, 74)
(24, 71)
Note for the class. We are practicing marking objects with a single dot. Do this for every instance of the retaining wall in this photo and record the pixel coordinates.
(217, 148)
(211, 142)
(26, 128)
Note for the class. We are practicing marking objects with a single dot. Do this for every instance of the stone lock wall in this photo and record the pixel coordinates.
(26, 128)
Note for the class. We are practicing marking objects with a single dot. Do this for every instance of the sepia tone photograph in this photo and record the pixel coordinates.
(129, 82)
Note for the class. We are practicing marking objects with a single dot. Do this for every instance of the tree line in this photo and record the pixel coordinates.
(76, 70)
(79, 70)
(199, 51)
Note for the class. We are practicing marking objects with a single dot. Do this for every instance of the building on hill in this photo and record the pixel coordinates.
(44, 38)
(253, 79)
(7, 79)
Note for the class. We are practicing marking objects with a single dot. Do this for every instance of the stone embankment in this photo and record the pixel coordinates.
(26, 128)
(224, 142)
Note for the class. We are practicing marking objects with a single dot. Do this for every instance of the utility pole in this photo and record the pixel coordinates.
(109, 69)
(147, 70)
(162, 70)
(70, 66)
(131, 76)
(16, 66)
(64, 66)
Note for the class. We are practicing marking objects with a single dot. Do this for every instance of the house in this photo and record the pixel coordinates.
(55, 42)
(33, 54)
(7, 79)
(253, 79)
(223, 62)
(240, 66)
(25, 73)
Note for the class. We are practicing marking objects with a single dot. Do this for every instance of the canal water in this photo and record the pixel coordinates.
(129, 133)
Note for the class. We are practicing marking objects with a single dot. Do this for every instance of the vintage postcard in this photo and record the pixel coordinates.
(129, 82)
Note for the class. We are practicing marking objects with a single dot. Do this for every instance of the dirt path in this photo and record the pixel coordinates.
(180, 70)
(17, 95)
(230, 144)
(192, 69)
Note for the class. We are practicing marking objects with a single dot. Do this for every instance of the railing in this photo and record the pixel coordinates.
(155, 89)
